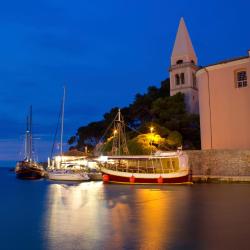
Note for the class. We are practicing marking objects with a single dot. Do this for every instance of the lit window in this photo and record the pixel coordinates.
(177, 79)
(241, 79)
(182, 78)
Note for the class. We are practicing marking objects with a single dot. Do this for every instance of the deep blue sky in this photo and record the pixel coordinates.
(104, 51)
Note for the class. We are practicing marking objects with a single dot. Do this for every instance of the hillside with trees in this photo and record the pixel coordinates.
(173, 125)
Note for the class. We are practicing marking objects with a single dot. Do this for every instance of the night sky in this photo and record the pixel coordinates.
(103, 51)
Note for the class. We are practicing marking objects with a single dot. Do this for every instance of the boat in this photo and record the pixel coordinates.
(60, 167)
(158, 168)
(67, 168)
(95, 175)
(28, 168)
(67, 175)
(146, 169)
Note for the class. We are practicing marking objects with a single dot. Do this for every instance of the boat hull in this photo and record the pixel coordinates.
(95, 176)
(29, 173)
(110, 176)
(67, 177)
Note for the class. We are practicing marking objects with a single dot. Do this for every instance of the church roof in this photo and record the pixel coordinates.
(227, 61)
(183, 48)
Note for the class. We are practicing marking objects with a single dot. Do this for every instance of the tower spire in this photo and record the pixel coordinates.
(183, 48)
(183, 68)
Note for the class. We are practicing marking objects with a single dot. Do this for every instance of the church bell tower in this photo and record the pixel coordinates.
(183, 69)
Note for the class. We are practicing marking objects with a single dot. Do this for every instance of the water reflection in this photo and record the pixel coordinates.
(72, 211)
(96, 216)
(155, 209)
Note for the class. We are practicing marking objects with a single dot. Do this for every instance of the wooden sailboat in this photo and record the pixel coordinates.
(59, 168)
(28, 168)
(159, 168)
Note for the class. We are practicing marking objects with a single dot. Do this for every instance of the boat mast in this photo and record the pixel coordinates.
(30, 135)
(61, 143)
(26, 146)
(119, 146)
(119, 133)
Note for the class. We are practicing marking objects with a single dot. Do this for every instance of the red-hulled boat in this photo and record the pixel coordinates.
(159, 168)
(162, 168)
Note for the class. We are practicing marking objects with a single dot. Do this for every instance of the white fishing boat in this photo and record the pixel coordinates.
(61, 167)
(159, 168)
(146, 169)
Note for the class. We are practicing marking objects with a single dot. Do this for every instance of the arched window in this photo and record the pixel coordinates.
(182, 78)
(177, 79)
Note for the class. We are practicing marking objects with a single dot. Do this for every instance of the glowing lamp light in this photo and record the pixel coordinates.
(151, 129)
(115, 132)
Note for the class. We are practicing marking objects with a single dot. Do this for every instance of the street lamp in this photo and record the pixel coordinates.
(151, 129)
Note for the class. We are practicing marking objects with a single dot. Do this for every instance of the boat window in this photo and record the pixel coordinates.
(173, 163)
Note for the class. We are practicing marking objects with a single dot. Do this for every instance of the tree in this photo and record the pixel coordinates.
(167, 114)
(170, 112)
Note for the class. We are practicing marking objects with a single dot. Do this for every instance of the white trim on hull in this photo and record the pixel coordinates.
(180, 173)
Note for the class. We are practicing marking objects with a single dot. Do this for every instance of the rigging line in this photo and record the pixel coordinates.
(135, 130)
(57, 127)
(106, 131)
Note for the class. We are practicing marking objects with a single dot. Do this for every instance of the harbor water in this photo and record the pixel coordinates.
(42, 214)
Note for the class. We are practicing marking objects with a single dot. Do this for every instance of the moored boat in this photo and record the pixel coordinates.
(158, 168)
(95, 176)
(64, 168)
(168, 168)
(67, 175)
(29, 168)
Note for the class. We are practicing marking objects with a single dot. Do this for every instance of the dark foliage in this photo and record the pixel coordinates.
(154, 108)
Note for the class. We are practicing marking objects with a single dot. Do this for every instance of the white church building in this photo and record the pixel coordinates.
(220, 93)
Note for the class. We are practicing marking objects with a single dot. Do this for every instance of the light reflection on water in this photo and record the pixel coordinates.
(47, 215)
(96, 216)
(72, 214)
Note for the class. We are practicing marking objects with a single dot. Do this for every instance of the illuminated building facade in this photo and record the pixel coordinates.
(220, 93)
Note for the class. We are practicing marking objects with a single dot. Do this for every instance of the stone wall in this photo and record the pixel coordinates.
(220, 163)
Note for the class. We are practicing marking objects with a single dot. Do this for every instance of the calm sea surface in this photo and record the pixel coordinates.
(50, 215)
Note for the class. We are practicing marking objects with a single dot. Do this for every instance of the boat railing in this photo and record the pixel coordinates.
(140, 169)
